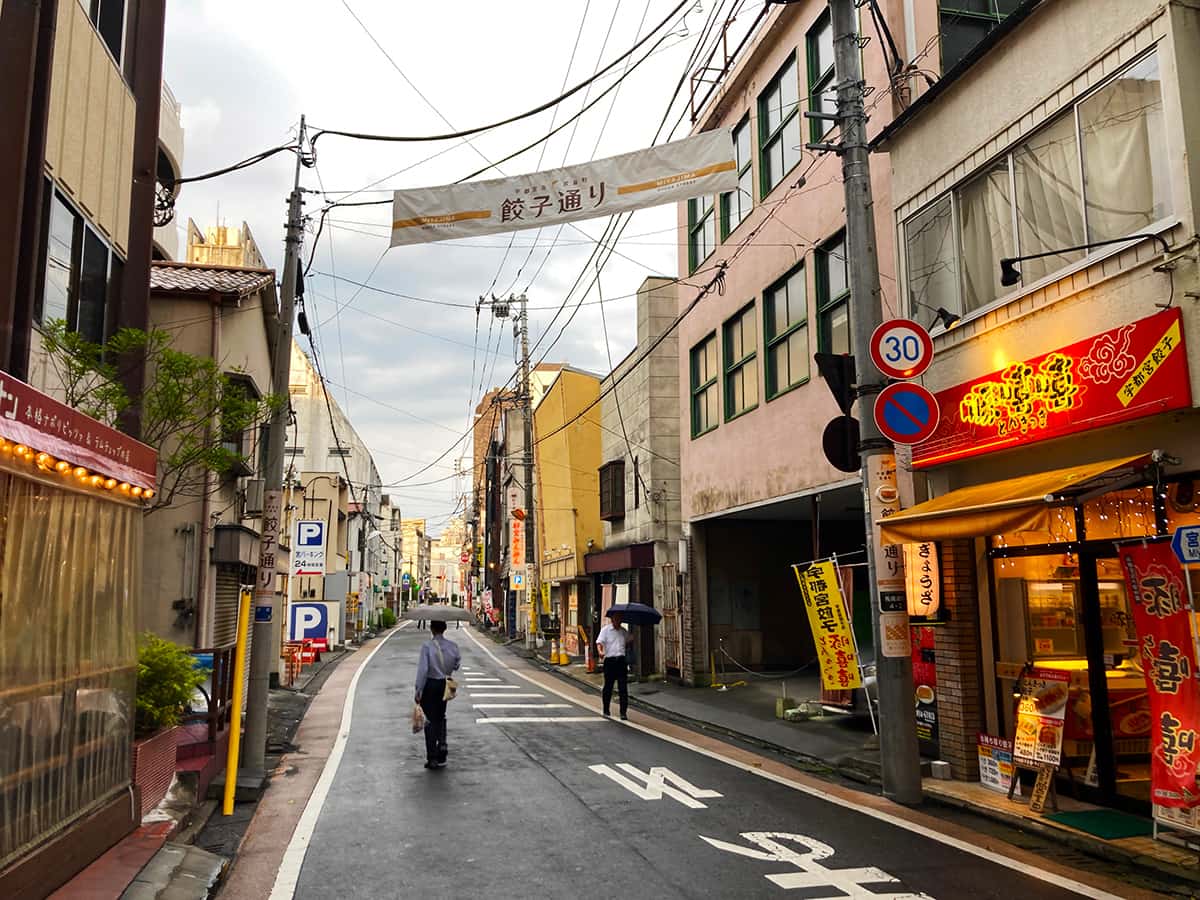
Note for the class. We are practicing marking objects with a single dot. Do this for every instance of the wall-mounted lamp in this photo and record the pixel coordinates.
(1011, 275)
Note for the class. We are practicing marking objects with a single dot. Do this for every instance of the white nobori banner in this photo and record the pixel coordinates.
(692, 167)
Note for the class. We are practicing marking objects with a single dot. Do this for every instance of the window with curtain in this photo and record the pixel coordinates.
(779, 127)
(704, 386)
(821, 96)
(736, 204)
(741, 363)
(70, 576)
(702, 237)
(833, 297)
(785, 314)
(1037, 197)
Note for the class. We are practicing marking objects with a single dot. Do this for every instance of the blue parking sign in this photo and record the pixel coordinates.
(1186, 543)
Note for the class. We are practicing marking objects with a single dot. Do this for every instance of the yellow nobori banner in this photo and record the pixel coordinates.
(836, 651)
(692, 167)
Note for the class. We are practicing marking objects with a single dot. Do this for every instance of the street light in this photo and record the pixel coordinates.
(1011, 275)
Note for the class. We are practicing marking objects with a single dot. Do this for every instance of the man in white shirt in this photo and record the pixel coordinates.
(611, 645)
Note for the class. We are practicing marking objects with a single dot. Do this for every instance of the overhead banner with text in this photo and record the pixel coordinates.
(692, 167)
(1159, 599)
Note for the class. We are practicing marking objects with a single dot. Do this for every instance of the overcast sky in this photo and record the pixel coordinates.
(245, 71)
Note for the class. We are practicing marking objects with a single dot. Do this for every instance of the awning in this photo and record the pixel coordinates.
(1015, 504)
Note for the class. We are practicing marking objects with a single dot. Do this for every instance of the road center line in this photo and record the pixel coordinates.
(992, 856)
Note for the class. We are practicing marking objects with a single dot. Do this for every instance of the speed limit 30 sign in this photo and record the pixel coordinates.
(901, 348)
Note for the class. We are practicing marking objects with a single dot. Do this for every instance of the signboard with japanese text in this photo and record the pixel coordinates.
(885, 502)
(924, 581)
(516, 543)
(1161, 615)
(924, 663)
(308, 547)
(1125, 373)
(830, 626)
(995, 762)
(29, 417)
(1041, 713)
(703, 164)
(268, 549)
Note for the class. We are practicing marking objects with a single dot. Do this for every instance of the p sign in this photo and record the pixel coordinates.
(308, 548)
(309, 620)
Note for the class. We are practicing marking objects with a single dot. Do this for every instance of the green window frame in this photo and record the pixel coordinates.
(704, 385)
(821, 72)
(779, 135)
(702, 228)
(739, 340)
(785, 333)
(833, 296)
(736, 204)
(964, 23)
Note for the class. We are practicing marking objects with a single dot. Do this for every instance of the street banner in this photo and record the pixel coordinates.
(830, 625)
(692, 167)
(838, 697)
(1158, 596)
(1041, 713)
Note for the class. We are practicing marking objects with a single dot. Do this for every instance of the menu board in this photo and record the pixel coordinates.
(995, 762)
(924, 663)
(1040, 716)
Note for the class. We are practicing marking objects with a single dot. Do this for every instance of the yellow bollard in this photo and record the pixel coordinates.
(235, 715)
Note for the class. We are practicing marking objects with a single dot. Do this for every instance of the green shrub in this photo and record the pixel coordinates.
(167, 678)
(387, 618)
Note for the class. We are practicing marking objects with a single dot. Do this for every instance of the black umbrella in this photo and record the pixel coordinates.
(636, 613)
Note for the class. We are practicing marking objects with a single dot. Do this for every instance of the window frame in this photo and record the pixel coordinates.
(767, 141)
(697, 389)
(826, 304)
(771, 341)
(818, 82)
(1072, 110)
(93, 14)
(696, 226)
(730, 367)
(944, 11)
(611, 486)
(726, 197)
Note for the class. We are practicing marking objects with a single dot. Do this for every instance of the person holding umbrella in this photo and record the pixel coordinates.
(437, 663)
(611, 645)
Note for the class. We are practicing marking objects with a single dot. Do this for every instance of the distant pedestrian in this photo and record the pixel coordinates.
(438, 662)
(611, 644)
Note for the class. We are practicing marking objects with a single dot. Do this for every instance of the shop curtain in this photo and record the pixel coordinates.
(985, 215)
(1049, 211)
(70, 567)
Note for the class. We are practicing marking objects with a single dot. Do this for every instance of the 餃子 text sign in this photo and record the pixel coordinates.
(692, 167)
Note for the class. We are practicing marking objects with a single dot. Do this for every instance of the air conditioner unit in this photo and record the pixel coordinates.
(254, 496)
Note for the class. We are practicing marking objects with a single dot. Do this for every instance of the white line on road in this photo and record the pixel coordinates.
(520, 706)
(1084, 890)
(471, 679)
(505, 696)
(293, 856)
(496, 687)
(508, 720)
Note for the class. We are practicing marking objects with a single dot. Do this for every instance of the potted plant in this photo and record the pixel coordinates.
(167, 679)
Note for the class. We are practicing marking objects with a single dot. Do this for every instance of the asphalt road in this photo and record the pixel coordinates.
(592, 808)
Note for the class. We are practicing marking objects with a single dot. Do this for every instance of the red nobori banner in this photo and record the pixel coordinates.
(1125, 373)
(27, 416)
(1158, 596)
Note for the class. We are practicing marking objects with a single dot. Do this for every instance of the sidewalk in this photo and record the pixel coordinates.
(845, 746)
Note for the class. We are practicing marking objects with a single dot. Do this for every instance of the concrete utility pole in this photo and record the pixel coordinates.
(265, 606)
(531, 586)
(893, 657)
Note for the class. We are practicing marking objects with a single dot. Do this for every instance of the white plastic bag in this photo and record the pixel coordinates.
(418, 719)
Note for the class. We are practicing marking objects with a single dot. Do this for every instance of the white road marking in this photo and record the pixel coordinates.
(471, 679)
(496, 687)
(654, 784)
(505, 696)
(293, 857)
(508, 720)
(520, 706)
(1084, 890)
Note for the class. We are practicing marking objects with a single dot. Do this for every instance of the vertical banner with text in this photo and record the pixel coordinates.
(1158, 596)
(830, 626)
(883, 498)
(268, 552)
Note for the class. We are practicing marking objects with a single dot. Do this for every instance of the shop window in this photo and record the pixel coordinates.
(736, 204)
(1098, 171)
(822, 96)
(785, 313)
(779, 127)
(612, 490)
(741, 363)
(702, 228)
(964, 23)
(1120, 514)
(109, 18)
(833, 297)
(704, 386)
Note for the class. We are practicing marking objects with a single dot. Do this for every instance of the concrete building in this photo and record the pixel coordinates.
(639, 488)
(220, 245)
(170, 168)
(1065, 372)
(415, 560)
(392, 536)
(447, 571)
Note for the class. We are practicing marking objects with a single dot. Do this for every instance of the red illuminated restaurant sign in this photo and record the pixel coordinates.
(29, 417)
(1125, 373)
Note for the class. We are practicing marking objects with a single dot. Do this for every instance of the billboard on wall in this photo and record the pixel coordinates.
(703, 164)
(1125, 373)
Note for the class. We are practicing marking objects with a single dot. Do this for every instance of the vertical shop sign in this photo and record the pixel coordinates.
(924, 663)
(1041, 713)
(1162, 619)
(884, 500)
(995, 762)
(830, 626)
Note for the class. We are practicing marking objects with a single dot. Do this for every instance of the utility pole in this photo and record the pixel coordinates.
(889, 619)
(531, 587)
(263, 648)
